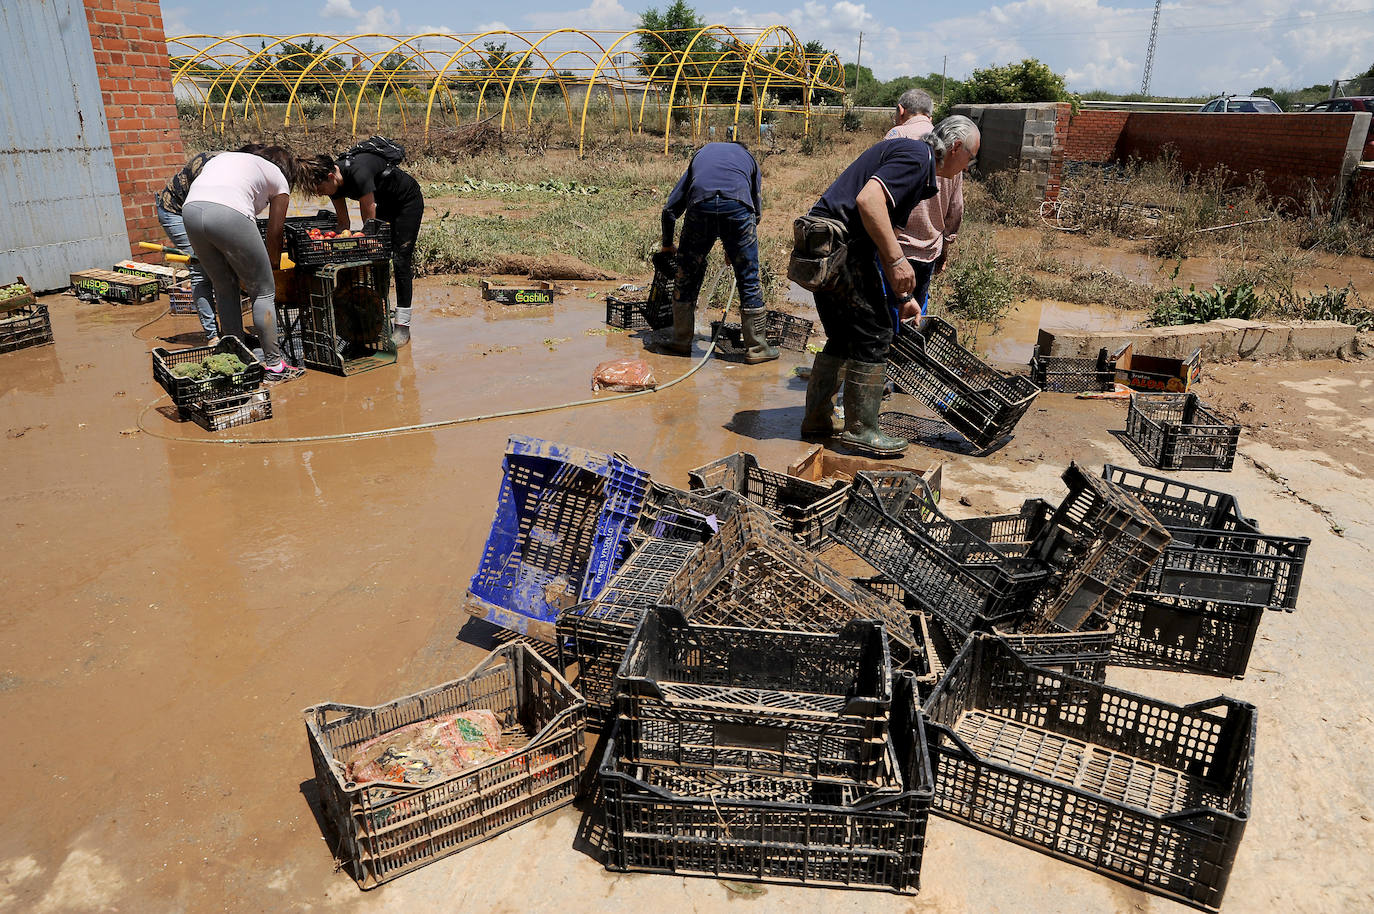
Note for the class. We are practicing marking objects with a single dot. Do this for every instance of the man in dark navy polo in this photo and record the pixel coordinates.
(719, 193)
(877, 191)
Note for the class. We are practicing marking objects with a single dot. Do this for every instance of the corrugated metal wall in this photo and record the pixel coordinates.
(60, 209)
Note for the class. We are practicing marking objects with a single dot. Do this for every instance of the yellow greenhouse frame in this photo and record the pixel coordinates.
(718, 67)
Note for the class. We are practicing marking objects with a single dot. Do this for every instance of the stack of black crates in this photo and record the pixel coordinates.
(779, 756)
(216, 402)
(23, 321)
(333, 314)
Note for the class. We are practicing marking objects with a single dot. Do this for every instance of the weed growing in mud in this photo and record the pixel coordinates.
(1176, 306)
(976, 286)
(1003, 198)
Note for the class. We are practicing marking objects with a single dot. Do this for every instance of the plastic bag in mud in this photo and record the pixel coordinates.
(624, 374)
(427, 751)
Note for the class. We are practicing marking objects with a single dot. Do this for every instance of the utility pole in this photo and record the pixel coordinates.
(857, 59)
(1150, 52)
(943, 67)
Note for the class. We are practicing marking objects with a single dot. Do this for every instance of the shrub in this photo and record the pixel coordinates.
(976, 286)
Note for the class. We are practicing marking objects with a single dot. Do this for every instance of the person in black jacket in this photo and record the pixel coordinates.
(719, 194)
(384, 192)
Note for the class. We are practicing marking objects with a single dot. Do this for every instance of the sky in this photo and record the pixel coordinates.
(1204, 47)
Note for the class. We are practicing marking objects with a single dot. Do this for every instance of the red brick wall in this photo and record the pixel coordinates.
(1093, 135)
(1290, 149)
(136, 84)
(1059, 150)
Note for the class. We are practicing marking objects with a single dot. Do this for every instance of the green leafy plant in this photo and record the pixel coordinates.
(1176, 306)
(976, 286)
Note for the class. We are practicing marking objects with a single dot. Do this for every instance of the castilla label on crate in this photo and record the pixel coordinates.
(119, 287)
(540, 294)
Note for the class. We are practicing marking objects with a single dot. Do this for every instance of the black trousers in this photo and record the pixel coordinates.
(403, 205)
(854, 313)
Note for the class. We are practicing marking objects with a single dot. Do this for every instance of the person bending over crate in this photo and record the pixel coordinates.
(168, 203)
(877, 191)
(719, 193)
(370, 173)
(219, 213)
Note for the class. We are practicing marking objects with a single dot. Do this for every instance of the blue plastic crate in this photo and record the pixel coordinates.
(563, 519)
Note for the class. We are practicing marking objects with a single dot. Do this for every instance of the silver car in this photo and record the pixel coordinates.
(1241, 104)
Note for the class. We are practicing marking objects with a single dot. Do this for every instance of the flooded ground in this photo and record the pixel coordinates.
(170, 606)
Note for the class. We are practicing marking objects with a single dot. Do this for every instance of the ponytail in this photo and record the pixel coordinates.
(938, 149)
(297, 171)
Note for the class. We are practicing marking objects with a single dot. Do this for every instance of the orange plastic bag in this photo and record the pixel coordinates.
(624, 374)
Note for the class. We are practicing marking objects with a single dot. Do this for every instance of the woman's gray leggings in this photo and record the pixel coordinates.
(231, 253)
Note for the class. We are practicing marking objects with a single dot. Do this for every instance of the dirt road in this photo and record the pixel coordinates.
(169, 607)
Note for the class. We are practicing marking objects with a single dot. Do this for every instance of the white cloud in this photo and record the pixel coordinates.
(174, 21)
(339, 9)
(600, 14)
(377, 19)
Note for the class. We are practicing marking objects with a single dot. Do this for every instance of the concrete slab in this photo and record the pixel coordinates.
(1221, 341)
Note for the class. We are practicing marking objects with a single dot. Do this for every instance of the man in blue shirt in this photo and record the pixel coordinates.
(719, 193)
(877, 191)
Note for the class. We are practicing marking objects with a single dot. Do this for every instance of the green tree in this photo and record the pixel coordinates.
(1368, 74)
(676, 26)
(1027, 81)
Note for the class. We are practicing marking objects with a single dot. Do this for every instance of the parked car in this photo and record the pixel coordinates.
(1241, 104)
(1347, 105)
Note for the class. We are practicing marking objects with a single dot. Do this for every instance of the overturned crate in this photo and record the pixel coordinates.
(780, 329)
(688, 821)
(595, 634)
(344, 321)
(785, 703)
(1217, 553)
(562, 523)
(1185, 634)
(693, 517)
(386, 828)
(215, 414)
(1180, 432)
(979, 402)
(753, 576)
(890, 520)
(807, 510)
(1150, 793)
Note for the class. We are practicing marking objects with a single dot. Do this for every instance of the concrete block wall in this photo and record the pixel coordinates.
(1027, 138)
(136, 87)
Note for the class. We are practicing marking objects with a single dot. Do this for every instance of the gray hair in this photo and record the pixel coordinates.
(954, 127)
(916, 101)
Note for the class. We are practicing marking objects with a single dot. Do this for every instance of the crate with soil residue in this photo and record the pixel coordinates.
(448, 767)
(23, 322)
(1180, 432)
(785, 331)
(979, 402)
(215, 414)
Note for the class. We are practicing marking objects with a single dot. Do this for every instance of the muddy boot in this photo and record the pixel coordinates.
(863, 398)
(679, 342)
(756, 347)
(822, 420)
(400, 328)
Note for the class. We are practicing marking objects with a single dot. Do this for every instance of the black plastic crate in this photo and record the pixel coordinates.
(186, 392)
(1101, 542)
(215, 414)
(1185, 634)
(371, 244)
(384, 829)
(658, 310)
(625, 313)
(751, 575)
(1180, 432)
(596, 634)
(1179, 504)
(1071, 374)
(345, 322)
(24, 326)
(786, 331)
(1237, 567)
(1217, 553)
(1154, 794)
(673, 514)
(1085, 653)
(180, 300)
(786, 703)
(323, 220)
(979, 402)
(744, 826)
(952, 573)
(807, 510)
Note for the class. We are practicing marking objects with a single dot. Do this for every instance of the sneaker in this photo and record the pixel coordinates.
(212, 341)
(281, 373)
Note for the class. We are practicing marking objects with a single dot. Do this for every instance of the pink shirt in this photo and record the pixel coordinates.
(935, 221)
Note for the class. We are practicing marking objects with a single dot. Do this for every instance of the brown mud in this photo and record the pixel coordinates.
(170, 607)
